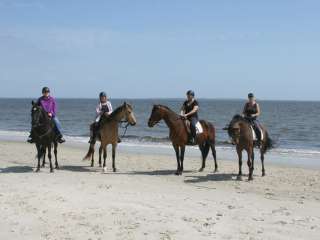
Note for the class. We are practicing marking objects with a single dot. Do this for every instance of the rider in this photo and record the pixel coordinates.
(251, 112)
(48, 103)
(189, 111)
(104, 108)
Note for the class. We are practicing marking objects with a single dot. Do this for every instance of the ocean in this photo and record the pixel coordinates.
(293, 125)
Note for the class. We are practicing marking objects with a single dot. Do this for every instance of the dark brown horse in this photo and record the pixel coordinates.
(240, 131)
(44, 136)
(179, 135)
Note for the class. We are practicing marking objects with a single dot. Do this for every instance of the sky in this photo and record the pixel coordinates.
(161, 48)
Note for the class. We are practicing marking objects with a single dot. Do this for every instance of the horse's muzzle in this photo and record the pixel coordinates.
(151, 123)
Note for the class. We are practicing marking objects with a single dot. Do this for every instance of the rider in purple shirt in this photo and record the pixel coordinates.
(49, 104)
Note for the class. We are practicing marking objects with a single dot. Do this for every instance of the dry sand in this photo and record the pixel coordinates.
(144, 200)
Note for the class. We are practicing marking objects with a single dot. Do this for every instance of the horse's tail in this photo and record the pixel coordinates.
(89, 153)
(268, 143)
(206, 149)
(211, 131)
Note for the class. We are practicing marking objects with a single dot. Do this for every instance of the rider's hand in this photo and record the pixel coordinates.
(50, 114)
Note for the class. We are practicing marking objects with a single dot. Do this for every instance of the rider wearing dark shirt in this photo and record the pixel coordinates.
(251, 112)
(189, 110)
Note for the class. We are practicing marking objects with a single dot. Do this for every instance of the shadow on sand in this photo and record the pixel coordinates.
(153, 173)
(211, 177)
(72, 168)
(16, 169)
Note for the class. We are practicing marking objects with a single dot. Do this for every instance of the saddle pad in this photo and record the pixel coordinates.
(254, 134)
(199, 128)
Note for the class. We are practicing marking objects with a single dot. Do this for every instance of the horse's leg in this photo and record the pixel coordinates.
(92, 157)
(176, 149)
(100, 155)
(55, 151)
(44, 158)
(50, 157)
(262, 162)
(202, 149)
(104, 158)
(250, 163)
(182, 151)
(114, 147)
(214, 154)
(39, 154)
(239, 152)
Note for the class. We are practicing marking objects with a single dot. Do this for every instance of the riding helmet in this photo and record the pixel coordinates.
(102, 94)
(250, 95)
(190, 92)
(45, 90)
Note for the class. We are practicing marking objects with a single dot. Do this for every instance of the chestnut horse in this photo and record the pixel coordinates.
(109, 133)
(240, 131)
(179, 135)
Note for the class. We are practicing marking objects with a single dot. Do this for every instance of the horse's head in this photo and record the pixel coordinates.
(36, 114)
(156, 115)
(129, 115)
(233, 129)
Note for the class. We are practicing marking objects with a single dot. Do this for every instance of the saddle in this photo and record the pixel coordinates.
(255, 132)
(199, 128)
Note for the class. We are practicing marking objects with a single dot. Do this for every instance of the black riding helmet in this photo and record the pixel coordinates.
(102, 94)
(190, 93)
(45, 90)
(250, 95)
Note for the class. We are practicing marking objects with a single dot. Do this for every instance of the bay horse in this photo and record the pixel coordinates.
(240, 131)
(179, 135)
(44, 136)
(109, 133)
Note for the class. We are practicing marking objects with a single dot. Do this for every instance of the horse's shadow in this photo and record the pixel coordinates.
(156, 172)
(216, 177)
(73, 168)
(16, 169)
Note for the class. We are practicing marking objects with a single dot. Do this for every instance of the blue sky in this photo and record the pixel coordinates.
(142, 49)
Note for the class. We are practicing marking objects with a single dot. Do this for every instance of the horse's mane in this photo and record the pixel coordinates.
(167, 108)
(116, 111)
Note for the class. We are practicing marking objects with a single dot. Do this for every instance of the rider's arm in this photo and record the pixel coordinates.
(244, 109)
(54, 107)
(98, 110)
(194, 110)
(258, 111)
(109, 107)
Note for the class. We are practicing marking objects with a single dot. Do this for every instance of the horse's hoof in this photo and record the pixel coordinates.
(38, 170)
(114, 170)
(250, 179)
(42, 166)
(105, 169)
(57, 167)
(215, 171)
(51, 170)
(263, 174)
(177, 173)
(201, 169)
(239, 177)
(100, 165)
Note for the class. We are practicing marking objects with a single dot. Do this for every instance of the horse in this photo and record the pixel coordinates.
(44, 136)
(240, 131)
(179, 135)
(109, 133)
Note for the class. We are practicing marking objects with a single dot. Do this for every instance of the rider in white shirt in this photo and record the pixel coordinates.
(104, 108)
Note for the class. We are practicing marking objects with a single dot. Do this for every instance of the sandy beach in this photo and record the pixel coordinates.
(144, 200)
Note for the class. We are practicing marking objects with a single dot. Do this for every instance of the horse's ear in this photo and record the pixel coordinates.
(125, 104)
(33, 103)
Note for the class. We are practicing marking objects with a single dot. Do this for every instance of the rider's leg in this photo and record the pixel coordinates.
(193, 122)
(94, 132)
(257, 127)
(58, 129)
